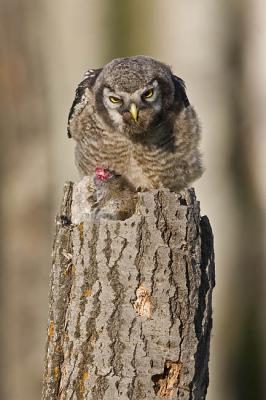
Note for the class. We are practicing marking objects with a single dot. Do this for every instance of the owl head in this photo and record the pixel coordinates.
(133, 95)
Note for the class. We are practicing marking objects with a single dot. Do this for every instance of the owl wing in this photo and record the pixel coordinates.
(180, 91)
(80, 99)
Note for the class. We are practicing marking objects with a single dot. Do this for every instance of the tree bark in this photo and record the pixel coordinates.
(130, 301)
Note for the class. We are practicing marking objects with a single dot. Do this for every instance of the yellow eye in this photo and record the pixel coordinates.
(148, 93)
(114, 99)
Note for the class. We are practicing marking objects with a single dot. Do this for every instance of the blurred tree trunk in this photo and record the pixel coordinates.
(129, 28)
(131, 302)
(25, 197)
(246, 376)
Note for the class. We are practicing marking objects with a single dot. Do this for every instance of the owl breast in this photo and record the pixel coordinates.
(112, 152)
(135, 174)
(118, 153)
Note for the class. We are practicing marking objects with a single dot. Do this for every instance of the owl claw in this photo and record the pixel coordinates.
(142, 189)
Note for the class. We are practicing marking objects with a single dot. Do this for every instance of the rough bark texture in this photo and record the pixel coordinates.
(130, 302)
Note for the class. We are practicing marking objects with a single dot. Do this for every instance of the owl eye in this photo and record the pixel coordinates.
(148, 93)
(114, 99)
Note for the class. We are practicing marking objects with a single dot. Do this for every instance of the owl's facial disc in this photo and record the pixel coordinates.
(133, 113)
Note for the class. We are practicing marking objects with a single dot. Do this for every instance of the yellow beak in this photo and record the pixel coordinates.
(134, 111)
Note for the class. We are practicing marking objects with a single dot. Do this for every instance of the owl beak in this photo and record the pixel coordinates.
(134, 112)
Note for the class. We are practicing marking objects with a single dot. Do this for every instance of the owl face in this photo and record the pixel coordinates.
(133, 112)
(132, 94)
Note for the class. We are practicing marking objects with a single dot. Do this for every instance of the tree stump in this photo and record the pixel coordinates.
(130, 301)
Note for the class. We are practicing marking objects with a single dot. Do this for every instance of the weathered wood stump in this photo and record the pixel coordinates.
(131, 302)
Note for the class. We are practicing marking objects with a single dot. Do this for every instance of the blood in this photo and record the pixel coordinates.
(102, 173)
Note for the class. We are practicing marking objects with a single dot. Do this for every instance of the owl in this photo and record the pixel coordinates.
(133, 117)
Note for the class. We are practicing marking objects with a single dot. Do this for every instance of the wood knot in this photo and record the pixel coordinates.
(143, 303)
(51, 329)
(165, 383)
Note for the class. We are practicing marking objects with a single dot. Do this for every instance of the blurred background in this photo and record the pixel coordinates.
(219, 49)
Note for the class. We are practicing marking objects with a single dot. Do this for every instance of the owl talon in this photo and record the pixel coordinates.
(142, 189)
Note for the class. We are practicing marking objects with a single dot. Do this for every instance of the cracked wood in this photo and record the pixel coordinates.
(131, 302)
